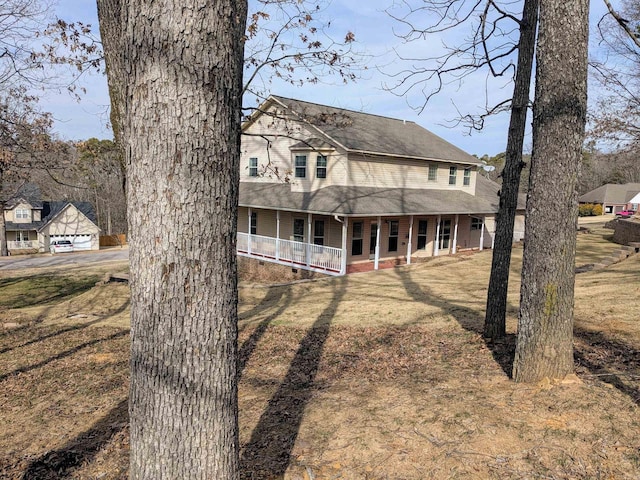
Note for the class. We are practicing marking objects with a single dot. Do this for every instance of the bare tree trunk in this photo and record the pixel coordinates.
(495, 319)
(545, 327)
(180, 126)
(4, 251)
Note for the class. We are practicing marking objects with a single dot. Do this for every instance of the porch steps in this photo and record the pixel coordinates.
(625, 252)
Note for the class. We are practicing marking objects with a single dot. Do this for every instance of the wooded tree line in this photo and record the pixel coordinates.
(177, 103)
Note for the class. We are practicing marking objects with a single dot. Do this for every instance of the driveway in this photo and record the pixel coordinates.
(18, 262)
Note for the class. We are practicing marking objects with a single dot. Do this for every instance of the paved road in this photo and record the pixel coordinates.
(18, 262)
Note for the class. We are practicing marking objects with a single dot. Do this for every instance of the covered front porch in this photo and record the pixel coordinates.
(336, 245)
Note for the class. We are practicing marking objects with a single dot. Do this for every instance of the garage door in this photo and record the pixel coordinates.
(80, 242)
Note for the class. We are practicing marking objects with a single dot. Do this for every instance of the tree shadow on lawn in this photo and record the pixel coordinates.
(61, 463)
(43, 289)
(273, 296)
(268, 453)
(71, 328)
(608, 360)
(64, 354)
(468, 318)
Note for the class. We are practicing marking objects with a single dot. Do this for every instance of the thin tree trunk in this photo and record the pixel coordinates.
(180, 126)
(545, 327)
(495, 319)
(4, 251)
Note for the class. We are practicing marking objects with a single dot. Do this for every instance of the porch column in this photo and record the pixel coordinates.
(343, 260)
(277, 235)
(249, 231)
(409, 243)
(309, 220)
(455, 236)
(377, 253)
(436, 244)
(482, 235)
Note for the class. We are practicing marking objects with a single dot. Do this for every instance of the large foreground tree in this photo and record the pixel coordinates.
(177, 67)
(545, 327)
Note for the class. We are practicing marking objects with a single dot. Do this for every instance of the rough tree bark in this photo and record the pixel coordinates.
(180, 125)
(495, 319)
(545, 326)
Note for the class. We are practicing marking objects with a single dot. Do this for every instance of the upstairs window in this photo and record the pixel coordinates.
(466, 180)
(22, 213)
(301, 166)
(253, 167)
(321, 166)
(453, 172)
(433, 173)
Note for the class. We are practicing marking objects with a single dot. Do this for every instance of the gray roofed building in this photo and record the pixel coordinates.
(335, 190)
(374, 134)
(613, 197)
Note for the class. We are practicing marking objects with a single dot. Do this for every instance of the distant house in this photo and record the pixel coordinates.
(613, 197)
(31, 225)
(337, 191)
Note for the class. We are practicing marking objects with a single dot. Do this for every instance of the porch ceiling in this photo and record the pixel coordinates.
(365, 201)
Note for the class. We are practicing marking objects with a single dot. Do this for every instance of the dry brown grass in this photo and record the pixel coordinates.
(382, 375)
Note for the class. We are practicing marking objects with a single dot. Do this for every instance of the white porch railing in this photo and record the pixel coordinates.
(22, 245)
(287, 252)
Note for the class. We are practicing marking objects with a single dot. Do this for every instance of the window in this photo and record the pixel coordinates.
(445, 234)
(466, 180)
(318, 232)
(298, 229)
(453, 171)
(321, 166)
(253, 167)
(476, 223)
(254, 223)
(433, 173)
(22, 213)
(373, 239)
(301, 166)
(393, 235)
(422, 234)
(356, 240)
(22, 236)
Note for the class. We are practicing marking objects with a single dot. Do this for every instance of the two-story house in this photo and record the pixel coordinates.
(31, 224)
(337, 191)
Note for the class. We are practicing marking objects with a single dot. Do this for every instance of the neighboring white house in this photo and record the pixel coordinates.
(337, 191)
(31, 225)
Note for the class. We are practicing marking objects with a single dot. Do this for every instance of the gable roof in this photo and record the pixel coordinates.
(50, 210)
(611, 193)
(359, 132)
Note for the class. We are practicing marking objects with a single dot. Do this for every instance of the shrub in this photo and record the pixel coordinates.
(589, 210)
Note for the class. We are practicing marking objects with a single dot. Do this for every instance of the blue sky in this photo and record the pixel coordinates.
(374, 31)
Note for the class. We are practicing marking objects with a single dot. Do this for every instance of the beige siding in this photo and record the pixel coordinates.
(72, 222)
(10, 215)
(368, 171)
(270, 139)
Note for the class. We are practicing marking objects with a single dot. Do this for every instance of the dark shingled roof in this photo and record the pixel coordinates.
(370, 201)
(49, 211)
(374, 134)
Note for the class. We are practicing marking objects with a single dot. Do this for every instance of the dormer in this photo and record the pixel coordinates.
(20, 210)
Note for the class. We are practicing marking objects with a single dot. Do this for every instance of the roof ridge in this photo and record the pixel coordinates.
(346, 110)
